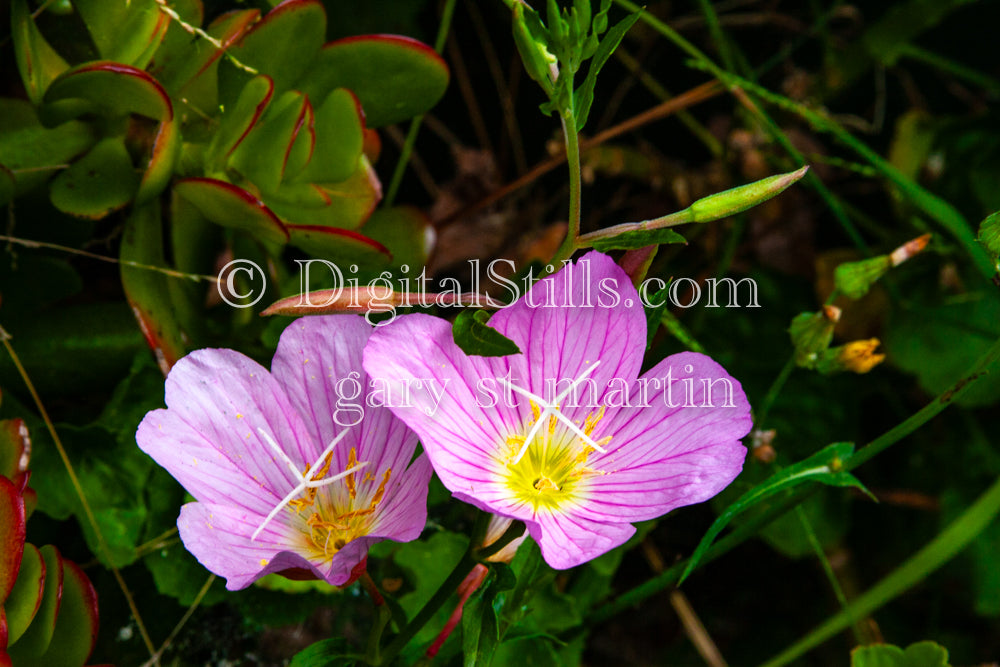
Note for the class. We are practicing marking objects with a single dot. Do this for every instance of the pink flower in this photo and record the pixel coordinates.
(291, 469)
(566, 436)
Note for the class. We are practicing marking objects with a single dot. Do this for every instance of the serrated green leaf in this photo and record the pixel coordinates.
(475, 337)
(825, 466)
(638, 239)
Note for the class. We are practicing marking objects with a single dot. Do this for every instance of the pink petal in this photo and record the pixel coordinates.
(459, 436)
(217, 400)
(662, 457)
(586, 312)
(567, 540)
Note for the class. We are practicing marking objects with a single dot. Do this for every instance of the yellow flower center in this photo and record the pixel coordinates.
(548, 474)
(330, 516)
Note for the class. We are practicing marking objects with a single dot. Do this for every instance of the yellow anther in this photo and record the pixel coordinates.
(352, 460)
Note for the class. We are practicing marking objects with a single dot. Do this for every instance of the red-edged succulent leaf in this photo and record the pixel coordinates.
(230, 206)
(406, 231)
(339, 139)
(102, 181)
(300, 151)
(394, 77)
(37, 61)
(24, 601)
(163, 155)
(199, 55)
(282, 45)
(76, 625)
(148, 292)
(177, 42)
(338, 245)
(36, 639)
(126, 31)
(364, 300)
(261, 158)
(112, 87)
(346, 204)
(15, 448)
(237, 121)
(12, 532)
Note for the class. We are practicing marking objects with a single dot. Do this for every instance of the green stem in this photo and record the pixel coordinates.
(941, 549)
(411, 134)
(929, 411)
(831, 576)
(752, 526)
(382, 617)
(774, 390)
(445, 591)
(575, 187)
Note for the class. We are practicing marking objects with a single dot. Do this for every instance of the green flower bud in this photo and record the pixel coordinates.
(740, 199)
(812, 333)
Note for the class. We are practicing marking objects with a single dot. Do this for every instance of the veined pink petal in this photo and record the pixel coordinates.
(318, 362)
(220, 400)
(459, 436)
(567, 541)
(586, 312)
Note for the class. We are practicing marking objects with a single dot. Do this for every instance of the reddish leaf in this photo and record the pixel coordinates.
(76, 625)
(15, 448)
(12, 532)
(377, 299)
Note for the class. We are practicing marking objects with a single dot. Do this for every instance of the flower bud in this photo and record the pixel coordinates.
(529, 37)
(854, 279)
(811, 334)
(736, 200)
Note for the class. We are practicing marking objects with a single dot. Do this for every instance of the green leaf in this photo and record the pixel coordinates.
(339, 139)
(227, 205)
(282, 45)
(825, 466)
(338, 245)
(111, 87)
(938, 344)
(147, 291)
(394, 77)
(346, 204)
(475, 337)
(405, 231)
(126, 31)
(262, 157)
(480, 625)
(24, 601)
(37, 61)
(989, 235)
(179, 67)
(33, 152)
(920, 654)
(428, 563)
(584, 97)
(35, 640)
(102, 181)
(163, 156)
(75, 632)
(324, 653)
(638, 239)
(237, 121)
